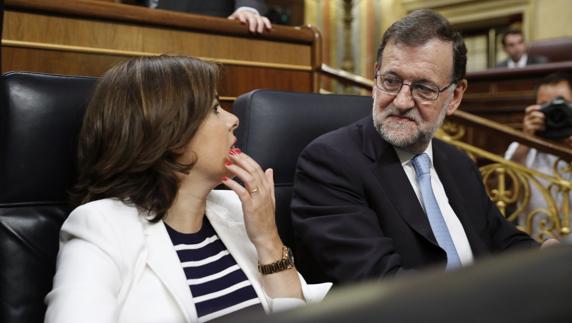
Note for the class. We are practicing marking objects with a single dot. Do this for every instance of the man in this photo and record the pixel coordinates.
(381, 196)
(555, 85)
(515, 47)
(248, 12)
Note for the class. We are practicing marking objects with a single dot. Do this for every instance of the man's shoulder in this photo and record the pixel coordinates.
(341, 138)
(503, 63)
(537, 59)
(450, 151)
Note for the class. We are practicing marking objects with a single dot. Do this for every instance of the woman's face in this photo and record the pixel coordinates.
(212, 142)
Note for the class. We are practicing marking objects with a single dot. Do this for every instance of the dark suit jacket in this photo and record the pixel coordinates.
(356, 215)
(218, 8)
(531, 60)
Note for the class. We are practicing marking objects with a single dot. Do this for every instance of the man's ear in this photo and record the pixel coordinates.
(457, 96)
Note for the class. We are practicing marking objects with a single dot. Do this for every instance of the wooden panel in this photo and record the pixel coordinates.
(31, 27)
(85, 37)
(236, 80)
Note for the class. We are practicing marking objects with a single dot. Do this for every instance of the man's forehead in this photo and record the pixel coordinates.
(547, 92)
(431, 59)
(514, 38)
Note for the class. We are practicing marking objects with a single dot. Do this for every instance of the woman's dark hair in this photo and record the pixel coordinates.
(142, 115)
(421, 26)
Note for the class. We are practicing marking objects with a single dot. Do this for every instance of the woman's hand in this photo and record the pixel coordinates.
(258, 203)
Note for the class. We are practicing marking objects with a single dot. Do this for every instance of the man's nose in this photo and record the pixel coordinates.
(403, 99)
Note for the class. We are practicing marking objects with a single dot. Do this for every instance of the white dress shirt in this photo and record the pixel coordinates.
(451, 220)
(521, 62)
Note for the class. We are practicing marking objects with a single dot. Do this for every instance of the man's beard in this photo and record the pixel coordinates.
(396, 134)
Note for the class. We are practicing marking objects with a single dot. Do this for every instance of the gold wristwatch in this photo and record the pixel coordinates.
(286, 262)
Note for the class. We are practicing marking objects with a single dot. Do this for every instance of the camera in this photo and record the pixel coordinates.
(557, 119)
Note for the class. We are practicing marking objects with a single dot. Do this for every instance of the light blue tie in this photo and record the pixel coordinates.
(422, 166)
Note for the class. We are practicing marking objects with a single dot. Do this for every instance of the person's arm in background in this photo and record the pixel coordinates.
(250, 12)
(533, 122)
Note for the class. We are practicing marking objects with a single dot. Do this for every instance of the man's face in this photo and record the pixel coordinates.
(402, 120)
(549, 92)
(514, 46)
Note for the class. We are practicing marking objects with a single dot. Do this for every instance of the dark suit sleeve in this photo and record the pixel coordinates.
(332, 220)
(259, 5)
(502, 64)
(534, 60)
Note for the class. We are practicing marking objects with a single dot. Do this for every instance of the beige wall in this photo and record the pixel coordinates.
(542, 19)
(551, 19)
(391, 11)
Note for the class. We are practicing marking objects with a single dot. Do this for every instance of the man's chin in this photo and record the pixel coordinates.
(401, 139)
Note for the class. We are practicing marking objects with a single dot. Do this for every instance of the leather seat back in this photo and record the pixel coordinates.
(40, 118)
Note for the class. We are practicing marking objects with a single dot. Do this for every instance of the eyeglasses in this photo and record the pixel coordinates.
(420, 91)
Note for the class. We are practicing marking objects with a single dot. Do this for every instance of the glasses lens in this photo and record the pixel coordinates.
(389, 84)
(425, 91)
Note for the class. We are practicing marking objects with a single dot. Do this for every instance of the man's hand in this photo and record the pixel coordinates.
(256, 23)
(533, 120)
(549, 242)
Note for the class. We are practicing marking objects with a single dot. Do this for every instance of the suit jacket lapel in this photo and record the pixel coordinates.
(390, 173)
(232, 233)
(163, 260)
(446, 170)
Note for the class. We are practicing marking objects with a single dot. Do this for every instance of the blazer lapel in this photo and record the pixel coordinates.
(232, 233)
(163, 260)
(394, 181)
(445, 168)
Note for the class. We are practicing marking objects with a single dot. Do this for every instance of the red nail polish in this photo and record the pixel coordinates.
(228, 163)
(237, 151)
(224, 178)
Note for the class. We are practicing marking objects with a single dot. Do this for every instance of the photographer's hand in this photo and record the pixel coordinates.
(533, 121)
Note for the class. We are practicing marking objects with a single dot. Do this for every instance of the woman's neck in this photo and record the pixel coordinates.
(188, 209)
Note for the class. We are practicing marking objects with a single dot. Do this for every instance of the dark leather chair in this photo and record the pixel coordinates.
(40, 117)
(275, 127)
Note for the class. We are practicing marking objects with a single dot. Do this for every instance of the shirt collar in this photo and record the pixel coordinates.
(521, 62)
(405, 156)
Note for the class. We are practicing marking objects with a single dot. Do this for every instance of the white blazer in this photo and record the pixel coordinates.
(115, 266)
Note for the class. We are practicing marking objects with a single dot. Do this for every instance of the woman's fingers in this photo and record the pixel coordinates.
(247, 169)
(270, 177)
(240, 190)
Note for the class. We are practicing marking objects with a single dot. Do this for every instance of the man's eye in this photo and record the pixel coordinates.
(391, 83)
(424, 88)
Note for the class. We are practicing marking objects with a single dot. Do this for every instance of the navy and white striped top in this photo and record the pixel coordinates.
(218, 285)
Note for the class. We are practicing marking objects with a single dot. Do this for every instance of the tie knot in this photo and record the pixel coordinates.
(421, 164)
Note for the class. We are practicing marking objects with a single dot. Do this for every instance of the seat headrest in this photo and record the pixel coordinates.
(276, 126)
(40, 118)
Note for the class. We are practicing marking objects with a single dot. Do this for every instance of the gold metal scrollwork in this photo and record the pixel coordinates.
(538, 203)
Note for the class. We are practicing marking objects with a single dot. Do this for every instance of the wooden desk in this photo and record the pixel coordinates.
(86, 37)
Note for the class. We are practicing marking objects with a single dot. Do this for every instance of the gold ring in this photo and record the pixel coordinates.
(254, 190)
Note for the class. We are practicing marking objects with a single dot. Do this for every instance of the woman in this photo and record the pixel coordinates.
(151, 240)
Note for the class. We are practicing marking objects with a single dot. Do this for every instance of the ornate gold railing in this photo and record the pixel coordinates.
(538, 203)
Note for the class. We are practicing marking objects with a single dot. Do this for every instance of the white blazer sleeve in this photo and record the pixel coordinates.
(87, 279)
(312, 293)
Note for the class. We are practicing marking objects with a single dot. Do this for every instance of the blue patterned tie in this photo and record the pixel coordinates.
(422, 165)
